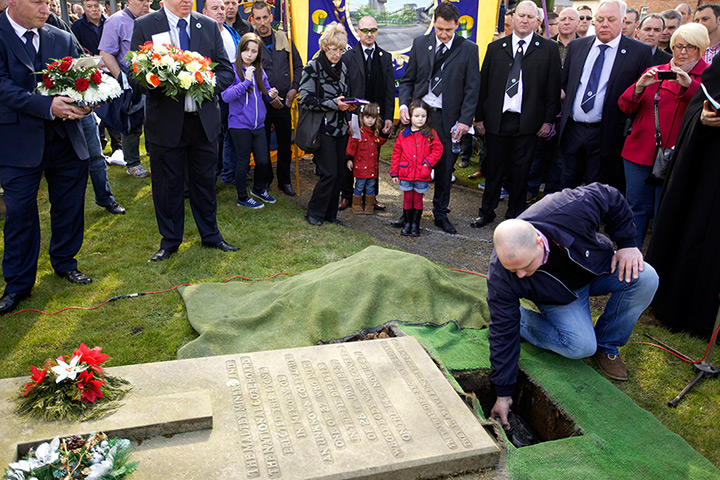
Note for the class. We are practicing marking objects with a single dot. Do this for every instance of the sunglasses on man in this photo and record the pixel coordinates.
(368, 30)
(585, 17)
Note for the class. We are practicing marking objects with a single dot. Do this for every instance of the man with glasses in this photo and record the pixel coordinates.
(708, 16)
(374, 81)
(552, 20)
(649, 31)
(585, 20)
(592, 125)
(672, 22)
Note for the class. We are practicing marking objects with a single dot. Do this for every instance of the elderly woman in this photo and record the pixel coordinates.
(687, 43)
(323, 86)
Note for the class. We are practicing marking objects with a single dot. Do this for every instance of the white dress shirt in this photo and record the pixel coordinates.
(595, 115)
(514, 103)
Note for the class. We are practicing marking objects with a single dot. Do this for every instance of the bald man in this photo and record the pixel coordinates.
(554, 256)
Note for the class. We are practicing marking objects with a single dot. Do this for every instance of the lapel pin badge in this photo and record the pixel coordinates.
(537, 44)
(429, 47)
(504, 45)
(197, 25)
(623, 51)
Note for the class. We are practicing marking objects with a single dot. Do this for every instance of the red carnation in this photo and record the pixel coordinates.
(48, 83)
(96, 77)
(81, 84)
(64, 66)
(52, 66)
(37, 377)
(67, 59)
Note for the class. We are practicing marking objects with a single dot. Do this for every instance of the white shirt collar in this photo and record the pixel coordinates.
(173, 19)
(612, 43)
(448, 45)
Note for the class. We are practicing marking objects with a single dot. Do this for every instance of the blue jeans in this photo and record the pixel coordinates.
(643, 199)
(365, 185)
(568, 329)
(96, 162)
(131, 147)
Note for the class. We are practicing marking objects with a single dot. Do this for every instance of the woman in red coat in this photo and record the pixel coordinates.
(688, 43)
(417, 149)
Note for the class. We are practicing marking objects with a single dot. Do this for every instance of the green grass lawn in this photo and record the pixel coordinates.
(274, 239)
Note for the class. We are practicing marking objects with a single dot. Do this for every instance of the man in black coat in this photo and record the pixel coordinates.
(519, 99)
(181, 135)
(276, 51)
(444, 71)
(648, 32)
(597, 70)
(88, 28)
(373, 80)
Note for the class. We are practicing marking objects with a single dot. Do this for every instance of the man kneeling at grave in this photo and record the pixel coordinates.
(553, 255)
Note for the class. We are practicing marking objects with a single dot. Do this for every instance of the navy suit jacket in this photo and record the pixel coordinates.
(25, 115)
(541, 84)
(164, 116)
(631, 61)
(461, 78)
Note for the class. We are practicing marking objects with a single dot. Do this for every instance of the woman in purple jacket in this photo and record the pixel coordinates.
(246, 120)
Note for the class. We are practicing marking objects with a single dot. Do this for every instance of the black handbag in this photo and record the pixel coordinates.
(663, 156)
(308, 126)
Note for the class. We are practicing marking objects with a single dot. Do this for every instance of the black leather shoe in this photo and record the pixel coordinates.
(115, 208)
(75, 276)
(287, 190)
(313, 220)
(10, 301)
(163, 254)
(445, 225)
(481, 222)
(223, 245)
(463, 163)
(335, 221)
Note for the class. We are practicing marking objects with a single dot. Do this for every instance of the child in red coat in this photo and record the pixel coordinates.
(416, 151)
(363, 159)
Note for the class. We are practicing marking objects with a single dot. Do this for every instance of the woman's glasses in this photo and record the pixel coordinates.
(687, 48)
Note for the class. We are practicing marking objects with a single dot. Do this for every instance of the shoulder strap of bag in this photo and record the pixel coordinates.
(658, 138)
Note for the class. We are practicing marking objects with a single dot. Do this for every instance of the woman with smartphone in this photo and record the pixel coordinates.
(670, 86)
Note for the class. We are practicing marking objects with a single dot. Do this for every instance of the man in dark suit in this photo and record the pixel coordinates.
(444, 71)
(374, 81)
(40, 135)
(519, 99)
(648, 32)
(181, 135)
(597, 70)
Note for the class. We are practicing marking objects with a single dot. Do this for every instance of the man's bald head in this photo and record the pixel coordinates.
(518, 247)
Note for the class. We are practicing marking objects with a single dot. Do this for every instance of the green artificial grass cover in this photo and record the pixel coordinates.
(372, 287)
(449, 313)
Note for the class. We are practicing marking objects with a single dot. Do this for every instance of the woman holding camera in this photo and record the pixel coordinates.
(670, 86)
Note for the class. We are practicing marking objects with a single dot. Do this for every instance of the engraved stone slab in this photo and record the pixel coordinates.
(365, 410)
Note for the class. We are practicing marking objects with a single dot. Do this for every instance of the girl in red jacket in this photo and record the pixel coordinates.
(416, 151)
(363, 159)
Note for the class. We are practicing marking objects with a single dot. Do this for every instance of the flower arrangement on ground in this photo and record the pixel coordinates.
(79, 79)
(177, 71)
(73, 388)
(94, 458)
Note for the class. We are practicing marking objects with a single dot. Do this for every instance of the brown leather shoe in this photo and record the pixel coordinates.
(475, 176)
(343, 203)
(611, 365)
(379, 206)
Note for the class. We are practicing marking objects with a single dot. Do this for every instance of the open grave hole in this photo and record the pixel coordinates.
(543, 415)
